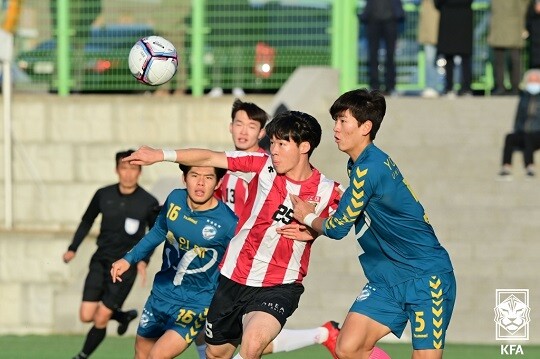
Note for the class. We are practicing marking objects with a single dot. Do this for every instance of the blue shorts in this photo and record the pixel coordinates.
(159, 316)
(426, 302)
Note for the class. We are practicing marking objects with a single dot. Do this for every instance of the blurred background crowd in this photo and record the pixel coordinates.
(418, 47)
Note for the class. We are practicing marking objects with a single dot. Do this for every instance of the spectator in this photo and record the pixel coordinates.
(428, 30)
(533, 27)
(506, 37)
(456, 39)
(382, 19)
(526, 134)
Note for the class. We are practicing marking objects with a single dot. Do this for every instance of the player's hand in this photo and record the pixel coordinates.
(298, 232)
(68, 256)
(118, 268)
(141, 272)
(144, 156)
(301, 208)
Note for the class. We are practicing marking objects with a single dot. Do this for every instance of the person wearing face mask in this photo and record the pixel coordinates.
(526, 134)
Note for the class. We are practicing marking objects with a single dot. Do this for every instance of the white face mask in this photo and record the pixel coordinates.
(533, 88)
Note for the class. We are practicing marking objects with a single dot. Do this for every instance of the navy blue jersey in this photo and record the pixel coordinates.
(390, 223)
(195, 242)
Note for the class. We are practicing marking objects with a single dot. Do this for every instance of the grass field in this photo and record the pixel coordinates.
(65, 346)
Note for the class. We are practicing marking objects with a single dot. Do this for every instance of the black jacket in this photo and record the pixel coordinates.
(455, 27)
(368, 13)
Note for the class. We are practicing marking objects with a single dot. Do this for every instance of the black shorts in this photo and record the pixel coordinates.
(232, 301)
(100, 287)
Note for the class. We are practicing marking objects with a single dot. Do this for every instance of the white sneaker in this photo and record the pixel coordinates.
(430, 93)
(505, 175)
(238, 92)
(450, 95)
(216, 92)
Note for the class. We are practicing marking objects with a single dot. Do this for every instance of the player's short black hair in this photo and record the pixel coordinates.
(220, 172)
(253, 111)
(296, 126)
(122, 154)
(364, 105)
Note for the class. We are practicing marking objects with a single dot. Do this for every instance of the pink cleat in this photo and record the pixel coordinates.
(333, 331)
(378, 353)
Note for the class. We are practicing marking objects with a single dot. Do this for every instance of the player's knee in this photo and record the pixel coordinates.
(345, 350)
(252, 346)
(86, 317)
(216, 352)
(341, 353)
(141, 351)
(211, 354)
(86, 314)
(155, 355)
(101, 319)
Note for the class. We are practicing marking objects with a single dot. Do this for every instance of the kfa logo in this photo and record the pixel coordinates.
(512, 314)
(511, 349)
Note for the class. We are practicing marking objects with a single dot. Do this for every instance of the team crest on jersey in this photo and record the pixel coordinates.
(364, 295)
(131, 226)
(145, 318)
(366, 292)
(314, 200)
(209, 232)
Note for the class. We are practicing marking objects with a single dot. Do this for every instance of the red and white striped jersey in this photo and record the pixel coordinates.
(257, 256)
(234, 189)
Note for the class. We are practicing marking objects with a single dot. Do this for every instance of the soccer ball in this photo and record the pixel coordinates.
(153, 60)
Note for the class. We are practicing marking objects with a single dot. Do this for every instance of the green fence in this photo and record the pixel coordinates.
(242, 38)
(82, 45)
(410, 60)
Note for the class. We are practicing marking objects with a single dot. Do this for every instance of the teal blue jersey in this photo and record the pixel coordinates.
(195, 242)
(391, 226)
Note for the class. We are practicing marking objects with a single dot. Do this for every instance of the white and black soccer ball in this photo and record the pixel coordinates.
(153, 60)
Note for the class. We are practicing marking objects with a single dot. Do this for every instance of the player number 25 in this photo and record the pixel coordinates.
(283, 214)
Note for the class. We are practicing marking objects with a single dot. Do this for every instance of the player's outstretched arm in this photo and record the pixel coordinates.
(144, 156)
(191, 157)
